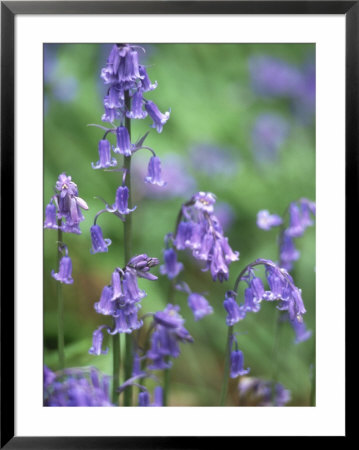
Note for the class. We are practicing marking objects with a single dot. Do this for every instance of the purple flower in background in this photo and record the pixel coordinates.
(77, 387)
(97, 339)
(154, 172)
(266, 221)
(49, 377)
(237, 363)
(199, 305)
(257, 392)
(288, 252)
(225, 214)
(99, 244)
(50, 216)
(171, 267)
(144, 398)
(57, 85)
(214, 160)
(274, 77)
(105, 159)
(158, 118)
(268, 135)
(65, 271)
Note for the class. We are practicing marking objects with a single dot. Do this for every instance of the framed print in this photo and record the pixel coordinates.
(172, 174)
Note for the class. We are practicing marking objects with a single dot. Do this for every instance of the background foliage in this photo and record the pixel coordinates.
(210, 143)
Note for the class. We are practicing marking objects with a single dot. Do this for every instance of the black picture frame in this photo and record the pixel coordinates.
(9, 10)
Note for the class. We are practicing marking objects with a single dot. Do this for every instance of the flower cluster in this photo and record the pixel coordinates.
(168, 332)
(126, 82)
(281, 289)
(121, 299)
(76, 387)
(200, 231)
(64, 209)
(300, 218)
(257, 392)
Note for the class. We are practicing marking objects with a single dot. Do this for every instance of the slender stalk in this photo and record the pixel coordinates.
(226, 367)
(127, 255)
(166, 386)
(60, 308)
(116, 352)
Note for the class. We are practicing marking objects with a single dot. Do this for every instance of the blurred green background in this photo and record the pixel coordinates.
(242, 126)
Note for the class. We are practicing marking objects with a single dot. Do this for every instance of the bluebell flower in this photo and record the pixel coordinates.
(146, 83)
(158, 118)
(171, 267)
(50, 216)
(121, 201)
(65, 271)
(204, 201)
(234, 312)
(99, 244)
(105, 159)
(266, 221)
(137, 111)
(144, 398)
(250, 302)
(199, 305)
(237, 362)
(97, 339)
(124, 146)
(288, 252)
(154, 172)
(105, 305)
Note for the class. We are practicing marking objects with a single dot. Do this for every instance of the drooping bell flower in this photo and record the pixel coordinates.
(123, 142)
(97, 339)
(105, 159)
(99, 244)
(137, 111)
(65, 271)
(234, 312)
(171, 267)
(50, 217)
(154, 172)
(237, 363)
(158, 118)
(199, 305)
(145, 81)
(121, 201)
(105, 306)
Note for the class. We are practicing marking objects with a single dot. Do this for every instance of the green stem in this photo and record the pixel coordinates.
(275, 353)
(127, 255)
(226, 367)
(60, 308)
(166, 386)
(116, 352)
